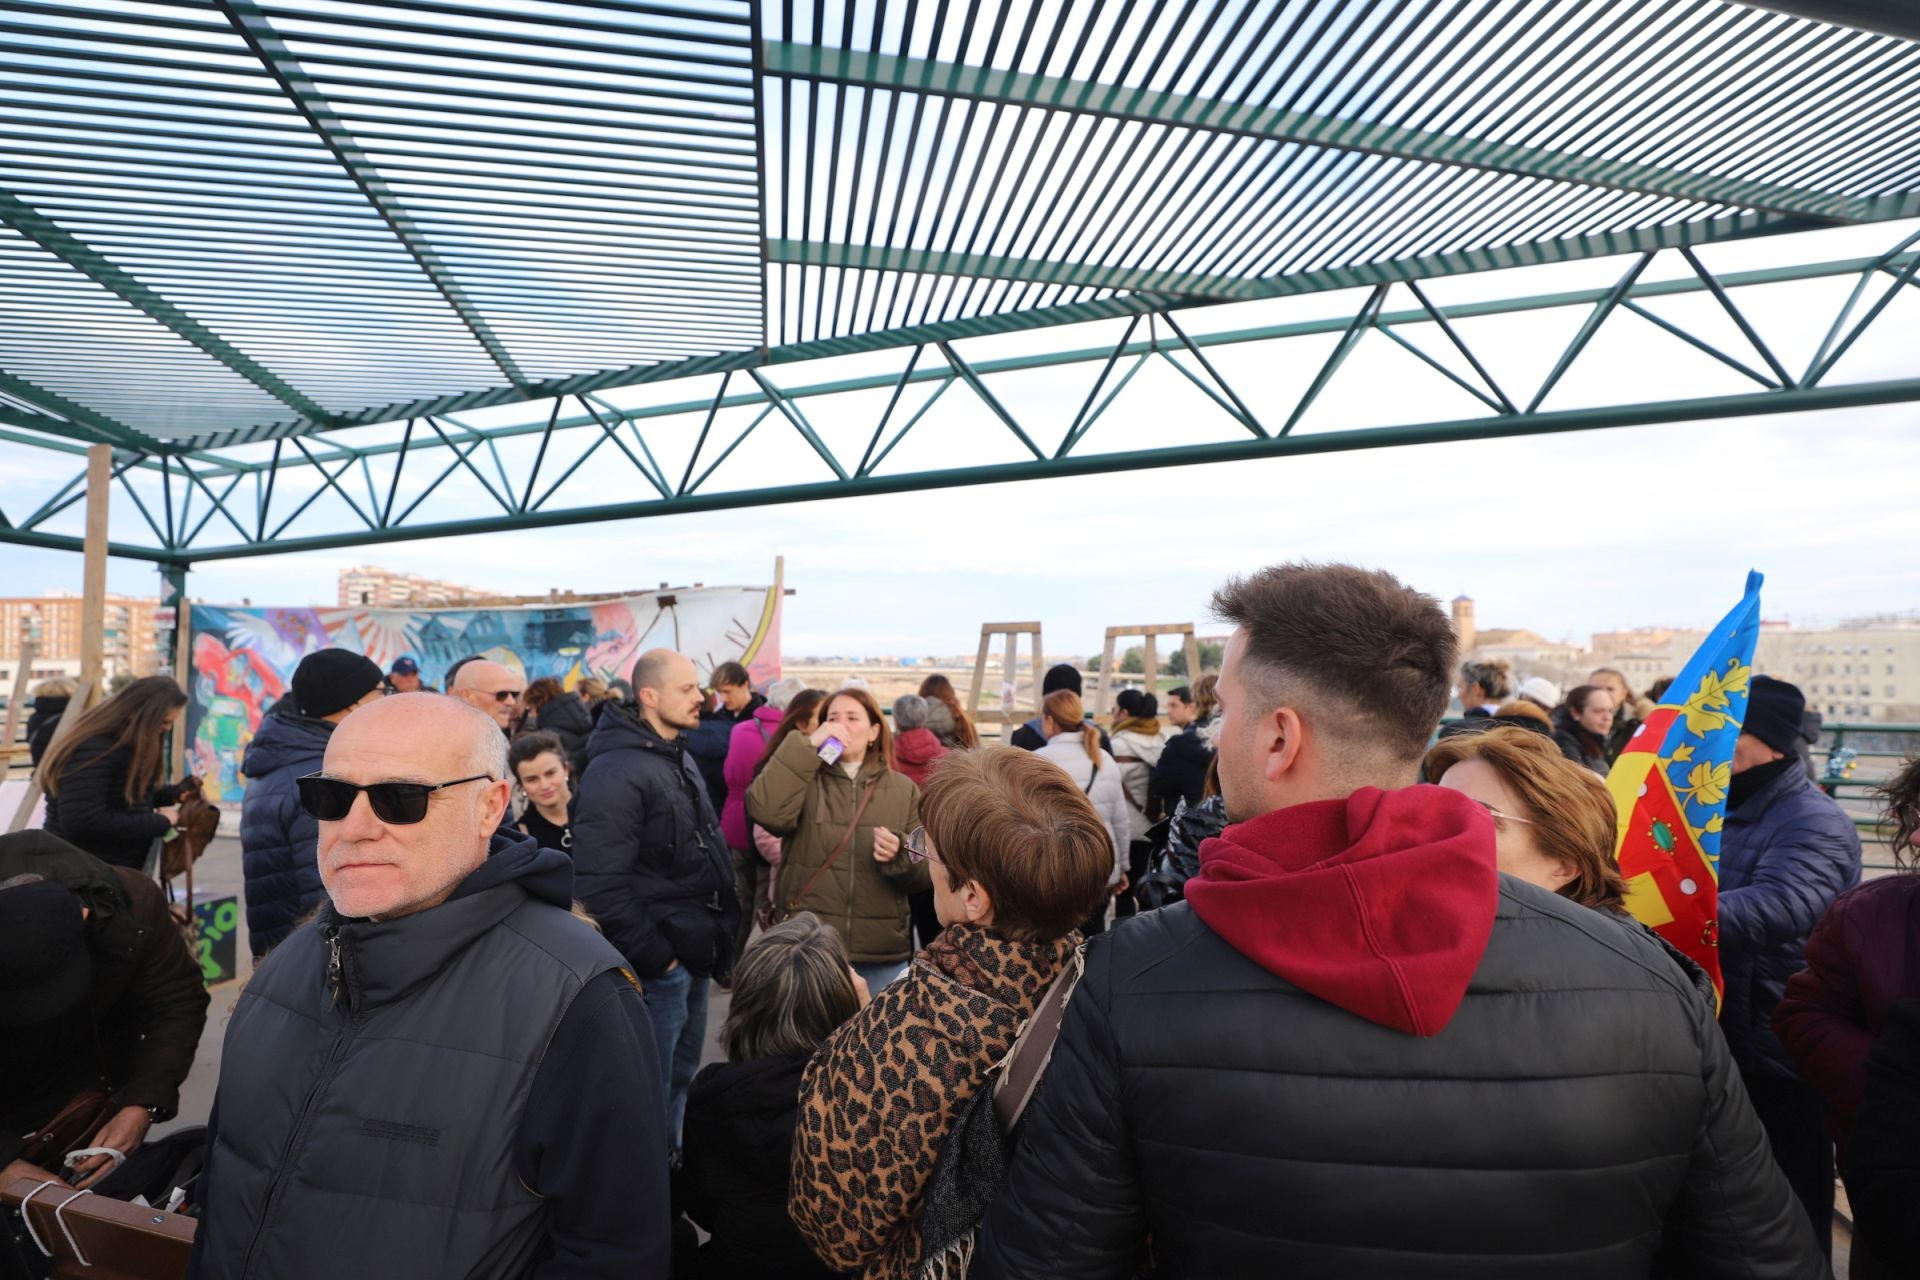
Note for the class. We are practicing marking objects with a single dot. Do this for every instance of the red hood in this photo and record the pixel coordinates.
(1381, 903)
(917, 747)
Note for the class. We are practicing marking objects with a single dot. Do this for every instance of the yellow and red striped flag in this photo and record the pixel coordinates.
(1670, 789)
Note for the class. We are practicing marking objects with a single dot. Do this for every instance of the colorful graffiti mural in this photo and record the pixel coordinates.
(243, 658)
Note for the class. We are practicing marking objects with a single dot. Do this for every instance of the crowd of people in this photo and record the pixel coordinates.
(1280, 978)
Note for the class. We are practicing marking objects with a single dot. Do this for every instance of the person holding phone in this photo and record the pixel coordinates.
(842, 808)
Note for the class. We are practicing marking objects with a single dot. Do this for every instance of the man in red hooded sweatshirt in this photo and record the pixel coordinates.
(1356, 1049)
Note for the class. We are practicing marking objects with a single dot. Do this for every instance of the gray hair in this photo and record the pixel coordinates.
(791, 989)
(781, 693)
(909, 712)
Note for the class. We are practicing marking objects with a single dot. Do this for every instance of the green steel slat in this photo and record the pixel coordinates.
(992, 85)
(57, 241)
(248, 19)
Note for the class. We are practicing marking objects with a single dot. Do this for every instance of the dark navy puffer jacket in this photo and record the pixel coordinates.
(278, 841)
(1788, 852)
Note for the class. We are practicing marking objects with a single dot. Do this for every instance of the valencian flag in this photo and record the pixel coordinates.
(1670, 789)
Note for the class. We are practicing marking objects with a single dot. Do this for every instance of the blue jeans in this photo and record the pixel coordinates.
(677, 1003)
(879, 976)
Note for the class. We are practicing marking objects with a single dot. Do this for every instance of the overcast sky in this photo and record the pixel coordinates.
(1563, 534)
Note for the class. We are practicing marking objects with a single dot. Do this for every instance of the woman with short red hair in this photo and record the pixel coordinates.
(1554, 822)
(1019, 858)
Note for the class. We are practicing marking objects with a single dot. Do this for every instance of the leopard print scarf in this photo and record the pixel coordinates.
(880, 1096)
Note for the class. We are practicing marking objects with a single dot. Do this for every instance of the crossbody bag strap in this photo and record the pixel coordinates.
(853, 829)
(1027, 1061)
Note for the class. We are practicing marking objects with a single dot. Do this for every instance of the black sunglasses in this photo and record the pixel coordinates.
(399, 803)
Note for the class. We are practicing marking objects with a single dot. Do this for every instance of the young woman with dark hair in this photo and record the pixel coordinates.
(1583, 734)
(791, 990)
(843, 811)
(103, 778)
(540, 766)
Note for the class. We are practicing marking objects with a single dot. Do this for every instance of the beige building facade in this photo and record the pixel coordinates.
(371, 587)
(53, 623)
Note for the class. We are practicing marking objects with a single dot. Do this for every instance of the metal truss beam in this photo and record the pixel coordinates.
(252, 24)
(1609, 244)
(57, 241)
(1891, 272)
(1119, 102)
(1706, 408)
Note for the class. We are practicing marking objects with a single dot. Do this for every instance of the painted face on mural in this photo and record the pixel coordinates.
(373, 868)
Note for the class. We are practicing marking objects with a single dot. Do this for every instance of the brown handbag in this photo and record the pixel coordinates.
(198, 823)
(70, 1129)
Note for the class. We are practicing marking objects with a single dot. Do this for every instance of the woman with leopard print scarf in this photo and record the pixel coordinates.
(1019, 858)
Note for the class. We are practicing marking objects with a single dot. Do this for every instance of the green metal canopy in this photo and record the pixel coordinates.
(285, 255)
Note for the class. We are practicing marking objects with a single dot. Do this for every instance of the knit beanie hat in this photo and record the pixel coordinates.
(1774, 712)
(333, 680)
(1060, 676)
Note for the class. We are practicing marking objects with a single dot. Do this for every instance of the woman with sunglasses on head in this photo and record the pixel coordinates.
(835, 799)
(1019, 858)
(103, 778)
(1554, 823)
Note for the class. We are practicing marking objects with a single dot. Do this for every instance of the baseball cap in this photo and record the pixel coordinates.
(405, 667)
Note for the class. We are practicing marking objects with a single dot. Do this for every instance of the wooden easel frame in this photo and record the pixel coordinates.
(1012, 631)
(1106, 675)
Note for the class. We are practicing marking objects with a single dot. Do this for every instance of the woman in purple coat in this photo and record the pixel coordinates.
(1863, 958)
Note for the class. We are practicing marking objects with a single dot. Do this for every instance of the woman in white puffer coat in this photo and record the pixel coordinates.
(1073, 743)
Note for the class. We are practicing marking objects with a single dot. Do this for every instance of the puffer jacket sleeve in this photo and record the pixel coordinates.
(169, 999)
(1808, 861)
(780, 792)
(1736, 1215)
(607, 830)
(744, 749)
(903, 873)
(93, 808)
(1883, 1162)
(1821, 1020)
(1112, 798)
(1071, 1206)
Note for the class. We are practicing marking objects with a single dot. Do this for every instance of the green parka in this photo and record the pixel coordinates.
(810, 804)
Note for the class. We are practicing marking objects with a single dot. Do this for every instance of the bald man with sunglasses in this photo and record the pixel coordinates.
(435, 1076)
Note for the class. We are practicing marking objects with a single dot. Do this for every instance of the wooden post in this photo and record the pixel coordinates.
(1012, 631)
(93, 604)
(175, 576)
(1103, 705)
(77, 706)
(22, 681)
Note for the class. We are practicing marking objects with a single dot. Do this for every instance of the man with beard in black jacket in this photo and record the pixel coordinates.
(654, 868)
(1357, 1049)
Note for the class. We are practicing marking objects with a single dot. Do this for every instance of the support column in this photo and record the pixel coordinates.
(173, 595)
(93, 603)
